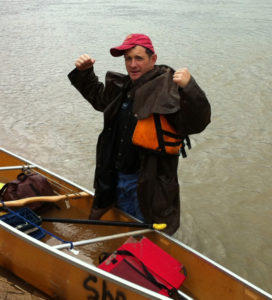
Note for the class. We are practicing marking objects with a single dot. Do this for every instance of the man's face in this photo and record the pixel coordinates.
(138, 62)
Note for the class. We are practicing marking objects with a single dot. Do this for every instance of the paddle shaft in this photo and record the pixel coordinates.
(103, 238)
(98, 222)
(16, 168)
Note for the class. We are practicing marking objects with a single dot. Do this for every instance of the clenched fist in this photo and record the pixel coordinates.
(182, 77)
(84, 62)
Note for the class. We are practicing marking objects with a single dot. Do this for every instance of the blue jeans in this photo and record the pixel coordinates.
(127, 199)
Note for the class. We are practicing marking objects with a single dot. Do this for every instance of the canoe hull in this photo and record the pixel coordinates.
(56, 274)
(62, 275)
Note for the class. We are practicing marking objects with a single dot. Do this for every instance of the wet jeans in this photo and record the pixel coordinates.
(127, 199)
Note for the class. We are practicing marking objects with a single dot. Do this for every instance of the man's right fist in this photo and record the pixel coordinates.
(84, 62)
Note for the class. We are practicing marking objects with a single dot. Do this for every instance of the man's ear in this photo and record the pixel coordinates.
(154, 58)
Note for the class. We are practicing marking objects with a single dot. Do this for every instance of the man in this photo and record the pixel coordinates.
(146, 114)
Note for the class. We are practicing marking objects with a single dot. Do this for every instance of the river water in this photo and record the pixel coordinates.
(226, 180)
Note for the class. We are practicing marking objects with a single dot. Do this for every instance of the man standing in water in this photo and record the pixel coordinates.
(147, 113)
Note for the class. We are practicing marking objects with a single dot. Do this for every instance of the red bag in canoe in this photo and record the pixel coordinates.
(147, 265)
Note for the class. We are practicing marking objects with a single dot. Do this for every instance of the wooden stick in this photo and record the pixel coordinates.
(107, 223)
(25, 201)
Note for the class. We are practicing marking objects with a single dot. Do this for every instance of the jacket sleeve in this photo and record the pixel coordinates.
(87, 83)
(195, 111)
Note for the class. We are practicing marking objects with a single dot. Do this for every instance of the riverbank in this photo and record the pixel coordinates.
(13, 288)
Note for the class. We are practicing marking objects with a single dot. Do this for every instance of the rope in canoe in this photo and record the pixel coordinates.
(56, 184)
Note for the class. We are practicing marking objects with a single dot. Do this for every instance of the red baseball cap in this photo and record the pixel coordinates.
(131, 41)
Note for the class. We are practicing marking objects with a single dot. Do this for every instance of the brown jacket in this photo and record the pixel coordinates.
(188, 111)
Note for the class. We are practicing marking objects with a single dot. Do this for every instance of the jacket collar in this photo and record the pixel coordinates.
(155, 92)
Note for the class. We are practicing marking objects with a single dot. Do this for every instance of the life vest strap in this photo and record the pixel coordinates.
(171, 134)
(173, 144)
(159, 132)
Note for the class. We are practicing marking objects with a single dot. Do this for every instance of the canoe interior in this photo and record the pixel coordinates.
(63, 278)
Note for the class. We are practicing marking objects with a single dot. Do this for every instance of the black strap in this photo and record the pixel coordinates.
(147, 275)
(185, 142)
(172, 143)
(103, 256)
(159, 131)
(22, 177)
(171, 134)
(35, 190)
(188, 142)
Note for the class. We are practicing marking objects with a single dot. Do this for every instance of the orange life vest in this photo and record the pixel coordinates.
(155, 133)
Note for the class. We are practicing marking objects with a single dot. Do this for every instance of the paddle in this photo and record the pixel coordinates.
(102, 238)
(25, 201)
(108, 223)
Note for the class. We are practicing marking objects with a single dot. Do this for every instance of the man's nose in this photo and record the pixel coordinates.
(133, 63)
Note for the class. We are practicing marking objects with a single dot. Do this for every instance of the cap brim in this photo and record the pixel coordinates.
(119, 51)
(115, 52)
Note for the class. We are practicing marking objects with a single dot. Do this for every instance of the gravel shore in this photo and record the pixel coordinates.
(13, 288)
